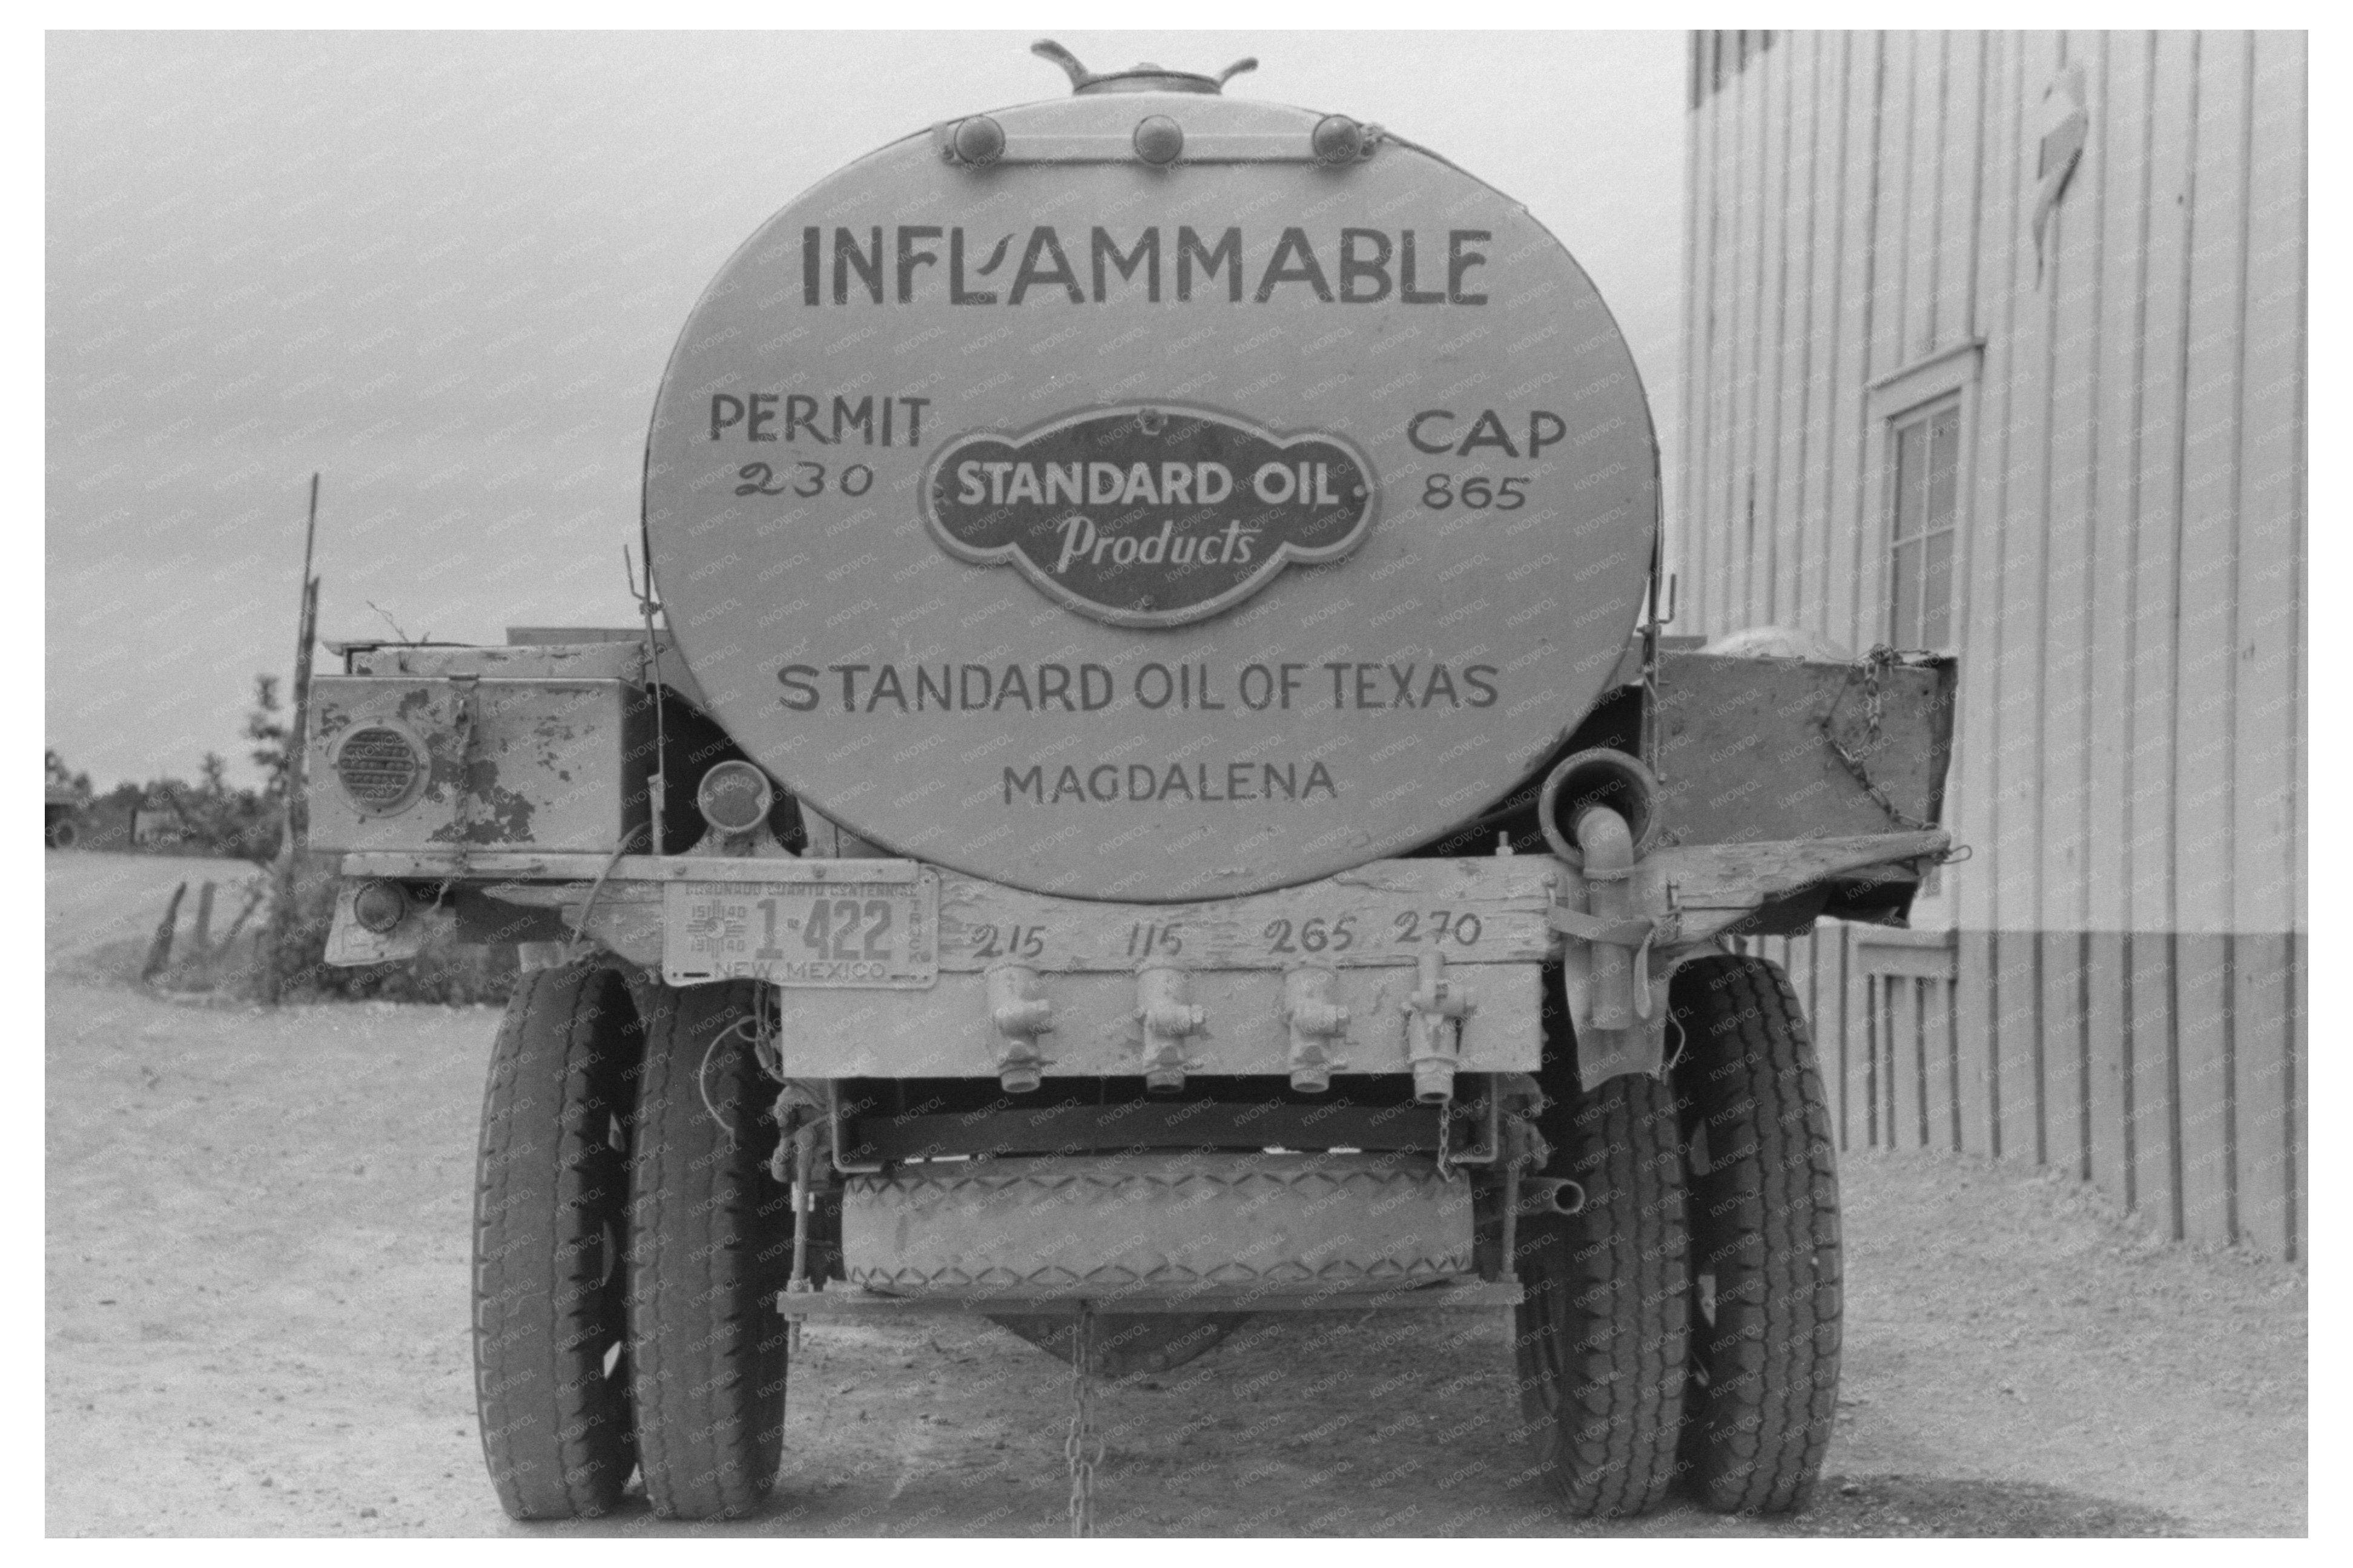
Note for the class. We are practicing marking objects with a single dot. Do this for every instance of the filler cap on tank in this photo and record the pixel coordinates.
(1144, 78)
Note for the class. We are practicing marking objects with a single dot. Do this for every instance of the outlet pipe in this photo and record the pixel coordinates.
(1598, 810)
(1609, 847)
(1601, 777)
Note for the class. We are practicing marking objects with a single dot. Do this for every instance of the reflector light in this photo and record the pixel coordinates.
(379, 906)
(379, 767)
(734, 797)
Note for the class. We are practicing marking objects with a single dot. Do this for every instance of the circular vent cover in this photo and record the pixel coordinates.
(380, 768)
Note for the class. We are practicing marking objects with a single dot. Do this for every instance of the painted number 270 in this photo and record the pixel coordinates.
(1439, 926)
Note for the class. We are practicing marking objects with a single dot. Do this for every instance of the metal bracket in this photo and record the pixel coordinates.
(833, 1137)
(983, 149)
(840, 1301)
(467, 685)
(1636, 932)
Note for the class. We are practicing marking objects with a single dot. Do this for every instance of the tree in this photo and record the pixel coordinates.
(218, 817)
(54, 771)
(272, 751)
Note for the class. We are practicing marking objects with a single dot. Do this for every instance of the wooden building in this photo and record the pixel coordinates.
(1995, 344)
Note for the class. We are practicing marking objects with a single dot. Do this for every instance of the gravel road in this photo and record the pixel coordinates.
(257, 1307)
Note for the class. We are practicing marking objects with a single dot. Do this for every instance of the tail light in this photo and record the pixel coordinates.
(734, 797)
(379, 906)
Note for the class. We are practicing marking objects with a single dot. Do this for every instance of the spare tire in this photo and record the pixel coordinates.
(1294, 1223)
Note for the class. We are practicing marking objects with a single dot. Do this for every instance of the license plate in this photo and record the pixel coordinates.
(838, 933)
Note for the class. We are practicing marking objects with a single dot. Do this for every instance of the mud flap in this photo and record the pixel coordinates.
(1605, 1054)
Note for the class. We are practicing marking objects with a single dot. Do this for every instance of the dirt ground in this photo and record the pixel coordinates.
(257, 1308)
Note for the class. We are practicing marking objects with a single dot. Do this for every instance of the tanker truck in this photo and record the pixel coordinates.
(1150, 786)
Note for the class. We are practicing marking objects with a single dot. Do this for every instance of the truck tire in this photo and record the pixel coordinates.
(63, 834)
(1601, 1333)
(707, 1227)
(550, 1192)
(1765, 1233)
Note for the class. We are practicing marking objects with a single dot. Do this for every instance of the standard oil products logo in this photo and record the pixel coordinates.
(1149, 516)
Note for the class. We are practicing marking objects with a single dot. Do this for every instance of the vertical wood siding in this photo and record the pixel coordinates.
(2114, 983)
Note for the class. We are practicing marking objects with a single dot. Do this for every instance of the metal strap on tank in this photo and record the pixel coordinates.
(1636, 932)
(467, 686)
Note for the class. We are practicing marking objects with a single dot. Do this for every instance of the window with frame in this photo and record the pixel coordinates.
(1923, 507)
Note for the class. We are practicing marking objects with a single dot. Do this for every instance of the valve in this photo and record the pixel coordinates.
(1021, 1013)
(1433, 1030)
(1317, 1023)
(1169, 1019)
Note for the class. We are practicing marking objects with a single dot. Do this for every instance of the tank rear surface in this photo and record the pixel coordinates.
(1151, 496)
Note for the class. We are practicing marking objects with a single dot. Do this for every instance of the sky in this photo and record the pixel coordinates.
(445, 270)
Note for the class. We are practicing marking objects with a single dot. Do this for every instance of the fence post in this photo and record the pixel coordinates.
(159, 951)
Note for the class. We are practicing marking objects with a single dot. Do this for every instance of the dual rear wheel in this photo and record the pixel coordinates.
(623, 1313)
(1686, 1321)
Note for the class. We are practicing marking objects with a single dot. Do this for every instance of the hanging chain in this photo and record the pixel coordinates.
(1873, 663)
(1084, 1447)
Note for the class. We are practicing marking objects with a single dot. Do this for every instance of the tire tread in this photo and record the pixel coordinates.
(707, 1346)
(555, 1430)
(1608, 1298)
(1766, 1219)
